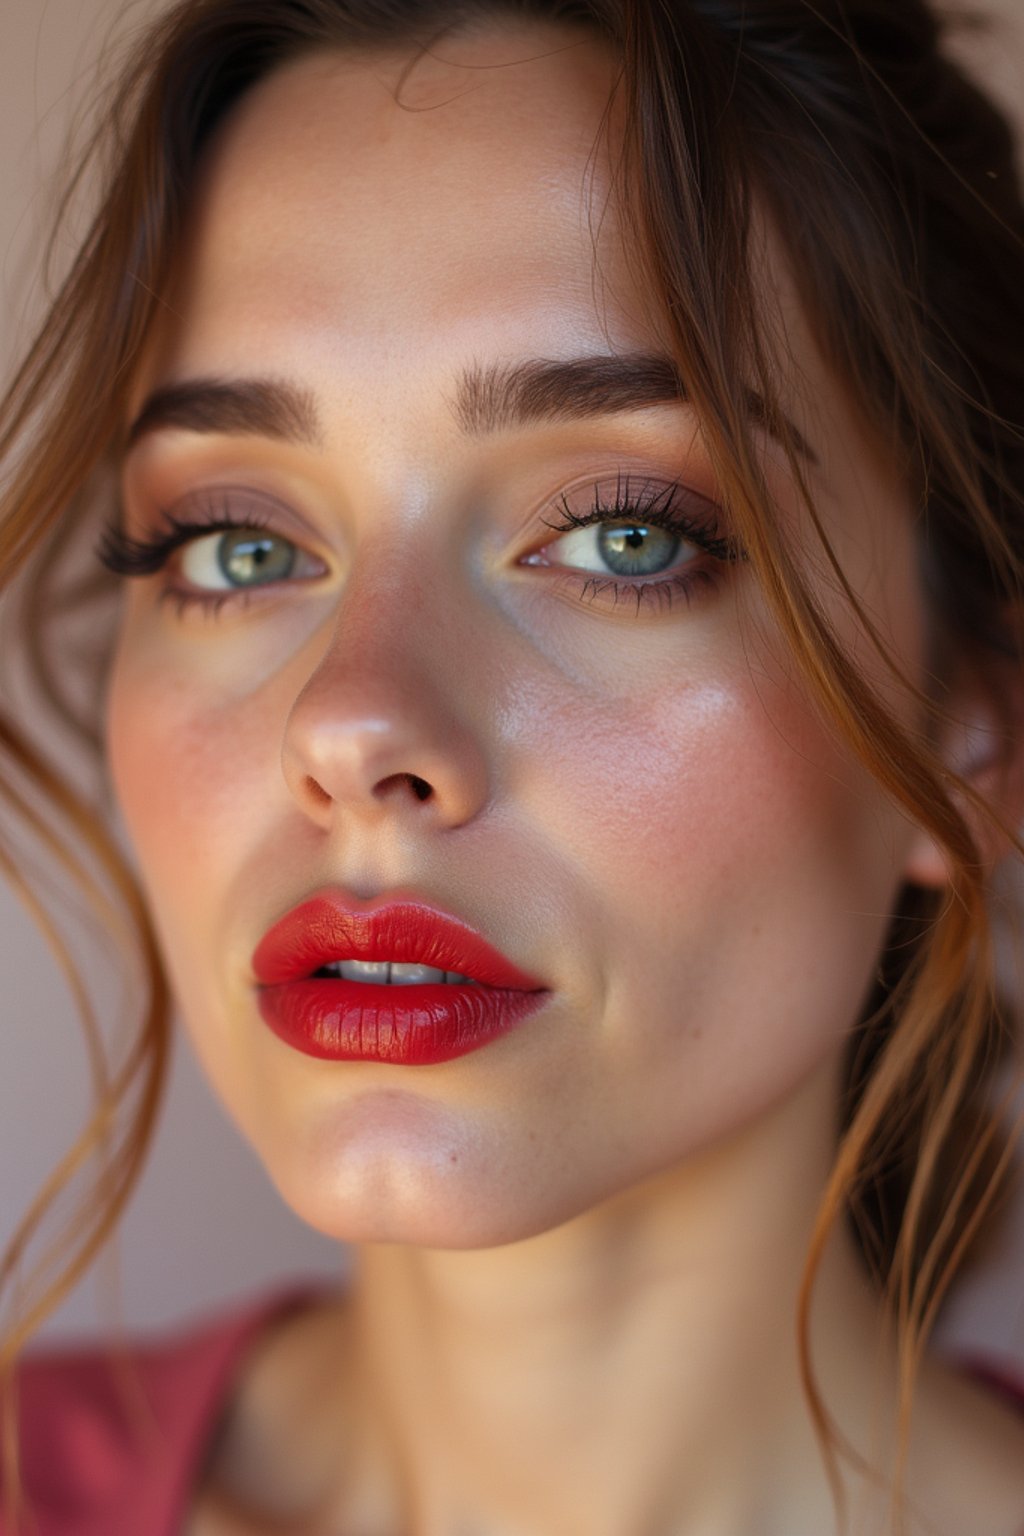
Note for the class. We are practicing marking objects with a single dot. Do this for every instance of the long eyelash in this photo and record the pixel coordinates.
(125, 556)
(658, 505)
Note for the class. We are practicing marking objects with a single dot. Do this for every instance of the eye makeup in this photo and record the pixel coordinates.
(657, 540)
(226, 511)
(627, 525)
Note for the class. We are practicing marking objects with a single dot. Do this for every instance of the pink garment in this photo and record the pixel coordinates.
(84, 1467)
(89, 1475)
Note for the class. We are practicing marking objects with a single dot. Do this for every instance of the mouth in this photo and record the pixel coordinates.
(403, 983)
(401, 943)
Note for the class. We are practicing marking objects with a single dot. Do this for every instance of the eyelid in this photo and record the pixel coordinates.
(167, 526)
(630, 490)
(236, 503)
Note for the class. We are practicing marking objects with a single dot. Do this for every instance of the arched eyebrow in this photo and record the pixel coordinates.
(236, 407)
(503, 396)
(486, 399)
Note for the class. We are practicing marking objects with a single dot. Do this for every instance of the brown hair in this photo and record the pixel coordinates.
(891, 178)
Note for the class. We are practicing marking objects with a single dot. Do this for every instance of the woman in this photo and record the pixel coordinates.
(561, 464)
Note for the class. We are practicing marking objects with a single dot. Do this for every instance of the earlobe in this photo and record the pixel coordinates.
(977, 744)
(926, 864)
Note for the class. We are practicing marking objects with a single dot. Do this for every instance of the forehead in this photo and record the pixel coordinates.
(353, 189)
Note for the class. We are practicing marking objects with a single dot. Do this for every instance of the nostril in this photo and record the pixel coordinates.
(420, 788)
(317, 790)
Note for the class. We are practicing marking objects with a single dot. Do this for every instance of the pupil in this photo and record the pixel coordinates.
(635, 549)
(243, 557)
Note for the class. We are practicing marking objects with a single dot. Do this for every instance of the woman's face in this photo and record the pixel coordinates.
(633, 798)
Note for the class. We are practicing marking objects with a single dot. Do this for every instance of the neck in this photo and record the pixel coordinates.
(634, 1369)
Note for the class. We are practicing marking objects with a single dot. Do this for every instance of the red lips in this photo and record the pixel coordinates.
(336, 1019)
(325, 928)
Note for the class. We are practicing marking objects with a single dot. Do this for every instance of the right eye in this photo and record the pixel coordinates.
(623, 548)
(238, 558)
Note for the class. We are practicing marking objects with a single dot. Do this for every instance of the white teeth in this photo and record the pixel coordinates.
(364, 970)
(408, 975)
(393, 972)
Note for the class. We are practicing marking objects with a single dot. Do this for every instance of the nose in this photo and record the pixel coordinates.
(382, 726)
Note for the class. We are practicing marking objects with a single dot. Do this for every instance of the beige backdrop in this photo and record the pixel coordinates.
(205, 1225)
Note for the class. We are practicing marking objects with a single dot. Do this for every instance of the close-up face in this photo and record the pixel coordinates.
(632, 797)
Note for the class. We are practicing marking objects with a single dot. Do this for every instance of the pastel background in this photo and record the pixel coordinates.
(205, 1226)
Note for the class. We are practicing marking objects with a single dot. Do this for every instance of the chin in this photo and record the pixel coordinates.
(444, 1198)
(403, 1207)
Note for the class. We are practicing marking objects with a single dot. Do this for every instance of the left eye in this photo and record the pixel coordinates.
(243, 557)
(622, 548)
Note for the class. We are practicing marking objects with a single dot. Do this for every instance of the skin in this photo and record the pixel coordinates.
(579, 1247)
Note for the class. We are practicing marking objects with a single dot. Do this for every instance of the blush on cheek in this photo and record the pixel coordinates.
(740, 876)
(679, 790)
(185, 770)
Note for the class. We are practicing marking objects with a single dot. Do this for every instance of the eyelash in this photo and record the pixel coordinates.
(655, 505)
(125, 556)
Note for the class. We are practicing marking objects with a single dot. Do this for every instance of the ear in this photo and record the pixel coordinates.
(983, 744)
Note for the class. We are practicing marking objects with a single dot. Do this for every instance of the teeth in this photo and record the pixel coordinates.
(392, 972)
(364, 970)
(413, 975)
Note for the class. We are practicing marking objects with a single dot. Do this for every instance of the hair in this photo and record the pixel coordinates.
(891, 178)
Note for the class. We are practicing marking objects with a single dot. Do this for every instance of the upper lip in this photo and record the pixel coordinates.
(329, 926)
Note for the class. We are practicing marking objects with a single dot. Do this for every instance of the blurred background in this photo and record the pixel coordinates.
(205, 1226)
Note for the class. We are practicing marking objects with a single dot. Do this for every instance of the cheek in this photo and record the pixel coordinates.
(193, 727)
(196, 771)
(191, 770)
(736, 873)
(694, 792)
(171, 777)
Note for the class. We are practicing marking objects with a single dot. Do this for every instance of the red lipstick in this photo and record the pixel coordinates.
(408, 1024)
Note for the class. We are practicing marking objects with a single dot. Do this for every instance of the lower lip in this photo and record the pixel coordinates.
(410, 1026)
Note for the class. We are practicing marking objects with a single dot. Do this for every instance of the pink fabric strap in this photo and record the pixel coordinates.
(108, 1452)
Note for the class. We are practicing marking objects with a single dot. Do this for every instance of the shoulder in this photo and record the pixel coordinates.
(111, 1427)
(968, 1470)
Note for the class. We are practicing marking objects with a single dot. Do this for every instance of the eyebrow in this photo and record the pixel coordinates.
(488, 399)
(502, 396)
(248, 407)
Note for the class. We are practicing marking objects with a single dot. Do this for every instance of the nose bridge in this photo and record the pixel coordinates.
(379, 612)
(388, 716)
(396, 633)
